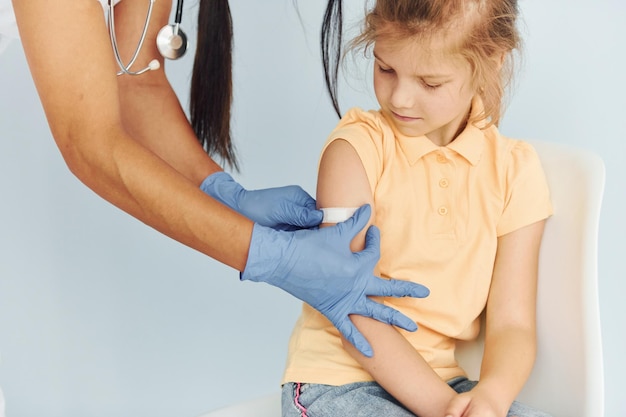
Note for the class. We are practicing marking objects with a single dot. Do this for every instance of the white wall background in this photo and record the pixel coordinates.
(100, 315)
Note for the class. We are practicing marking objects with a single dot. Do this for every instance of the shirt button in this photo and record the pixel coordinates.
(443, 183)
(443, 210)
(441, 159)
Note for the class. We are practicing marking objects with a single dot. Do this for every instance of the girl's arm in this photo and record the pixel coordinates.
(395, 365)
(510, 339)
(133, 148)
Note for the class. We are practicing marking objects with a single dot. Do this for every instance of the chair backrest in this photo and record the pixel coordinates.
(567, 380)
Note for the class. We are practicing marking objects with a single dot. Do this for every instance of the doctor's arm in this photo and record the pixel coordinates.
(155, 180)
(141, 156)
(395, 365)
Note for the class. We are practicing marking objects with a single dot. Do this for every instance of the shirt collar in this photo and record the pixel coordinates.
(469, 144)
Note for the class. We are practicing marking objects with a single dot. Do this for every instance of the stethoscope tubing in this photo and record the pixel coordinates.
(179, 12)
(125, 69)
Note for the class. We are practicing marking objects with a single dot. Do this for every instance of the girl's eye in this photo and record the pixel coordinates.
(431, 86)
(385, 70)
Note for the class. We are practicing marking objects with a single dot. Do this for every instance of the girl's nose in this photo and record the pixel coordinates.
(402, 95)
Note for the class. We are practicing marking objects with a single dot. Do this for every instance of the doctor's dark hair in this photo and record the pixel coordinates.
(211, 81)
(483, 32)
(211, 94)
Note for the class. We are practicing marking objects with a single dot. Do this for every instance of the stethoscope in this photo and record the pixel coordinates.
(171, 40)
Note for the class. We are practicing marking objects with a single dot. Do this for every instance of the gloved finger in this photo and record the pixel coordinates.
(306, 201)
(390, 316)
(371, 251)
(356, 222)
(295, 194)
(395, 288)
(354, 336)
(304, 217)
(297, 218)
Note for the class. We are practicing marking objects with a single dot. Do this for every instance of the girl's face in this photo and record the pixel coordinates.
(422, 89)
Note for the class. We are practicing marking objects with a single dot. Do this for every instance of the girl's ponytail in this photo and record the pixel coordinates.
(211, 82)
(331, 46)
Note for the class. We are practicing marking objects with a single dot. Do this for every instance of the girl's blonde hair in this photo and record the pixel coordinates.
(484, 32)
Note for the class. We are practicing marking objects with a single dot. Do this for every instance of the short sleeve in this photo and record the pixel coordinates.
(527, 194)
(8, 25)
(363, 130)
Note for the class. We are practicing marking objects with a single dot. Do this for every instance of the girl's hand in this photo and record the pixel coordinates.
(475, 403)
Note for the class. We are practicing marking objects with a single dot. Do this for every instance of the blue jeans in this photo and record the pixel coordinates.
(364, 399)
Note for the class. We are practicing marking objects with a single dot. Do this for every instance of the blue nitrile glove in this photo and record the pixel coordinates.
(283, 208)
(318, 267)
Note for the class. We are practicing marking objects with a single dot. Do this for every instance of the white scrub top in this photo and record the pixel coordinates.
(8, 27)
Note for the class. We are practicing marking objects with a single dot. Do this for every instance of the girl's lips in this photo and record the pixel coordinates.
(404, 118)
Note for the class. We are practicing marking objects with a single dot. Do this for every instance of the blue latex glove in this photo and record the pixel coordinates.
(318, 267)
(283, 208)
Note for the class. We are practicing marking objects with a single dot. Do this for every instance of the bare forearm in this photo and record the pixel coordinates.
(401, 370)
(510, 339)
(132, 178)
(507, 363)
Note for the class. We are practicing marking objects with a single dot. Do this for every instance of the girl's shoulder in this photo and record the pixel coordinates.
(363, 126)
(512, 150)
(369, 134)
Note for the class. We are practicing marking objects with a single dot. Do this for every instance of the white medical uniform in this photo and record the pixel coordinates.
(8, 32)
(8, 27)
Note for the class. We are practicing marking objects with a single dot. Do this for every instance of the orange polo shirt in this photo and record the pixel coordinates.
(440, 211)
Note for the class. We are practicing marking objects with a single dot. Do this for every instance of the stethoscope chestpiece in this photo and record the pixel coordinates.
(171, 41)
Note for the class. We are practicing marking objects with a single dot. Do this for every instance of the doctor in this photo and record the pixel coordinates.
(122, 132)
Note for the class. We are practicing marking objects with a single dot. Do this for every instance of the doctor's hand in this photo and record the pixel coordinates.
(282, 208)
(318, 267)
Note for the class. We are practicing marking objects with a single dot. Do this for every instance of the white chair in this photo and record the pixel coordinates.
(567, 380)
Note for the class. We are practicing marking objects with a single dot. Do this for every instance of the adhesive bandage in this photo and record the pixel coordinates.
(337, 214)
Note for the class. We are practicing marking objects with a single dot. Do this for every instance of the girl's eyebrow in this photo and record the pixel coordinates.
(422, 76)
(378, 58)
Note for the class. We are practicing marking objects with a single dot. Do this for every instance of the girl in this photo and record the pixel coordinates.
(460, 208)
